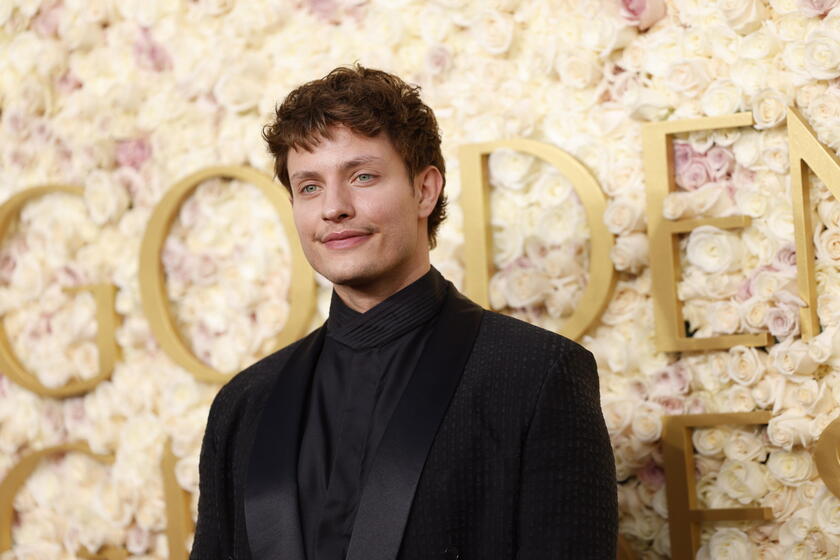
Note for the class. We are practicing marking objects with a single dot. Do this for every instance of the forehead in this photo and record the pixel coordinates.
(341, 146)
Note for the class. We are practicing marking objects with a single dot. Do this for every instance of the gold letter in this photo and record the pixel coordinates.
(105, 315)
(807, 152)
(178, 519)
(478, 240)
(16, 478)
(153, 284)
(664, 252)
(684, 517)
(827, 457)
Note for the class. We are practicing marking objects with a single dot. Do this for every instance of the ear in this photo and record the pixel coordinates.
(427, 187)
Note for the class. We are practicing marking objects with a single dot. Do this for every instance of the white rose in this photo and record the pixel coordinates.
(106, 199)
(722, 97)
(769, 108)
(749, 75)
(624, 215)
(606, 33)
(525, 286)
(829, 211)
(710, 441)
(714, 250)
(769, 392)
(724, 317)
(825, 345)
(747, 148)
(618, 413)
(759, 45)
(744, 445)
(789, 429)
(745, 365)
(827, 514)
(495, 31)
(647, 422)
(742, 480)
(743, 16)
(791, 467)
(578, 69)
(822, 55)
(783, 502)
(751, 202)
(630, 252)
(828, 246)
(737, 399)
(796, 528)
(688, 77)
(510, 169)
(730, 544)
(791, 357)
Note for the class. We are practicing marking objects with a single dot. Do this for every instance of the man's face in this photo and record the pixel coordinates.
(360, 219)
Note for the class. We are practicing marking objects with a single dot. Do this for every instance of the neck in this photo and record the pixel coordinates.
(363, 297)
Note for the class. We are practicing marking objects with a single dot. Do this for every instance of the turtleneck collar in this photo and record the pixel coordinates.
(409, 308)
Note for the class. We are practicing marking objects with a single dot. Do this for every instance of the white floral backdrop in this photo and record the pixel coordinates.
(125, 97)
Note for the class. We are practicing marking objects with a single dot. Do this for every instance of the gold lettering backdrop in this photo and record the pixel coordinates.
(660, 184)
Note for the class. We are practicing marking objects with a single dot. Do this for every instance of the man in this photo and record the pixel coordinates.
(413, 424)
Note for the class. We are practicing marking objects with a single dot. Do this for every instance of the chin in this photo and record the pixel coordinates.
(353, 274)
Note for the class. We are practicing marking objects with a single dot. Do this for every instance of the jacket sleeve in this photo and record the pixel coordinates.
(568, 504)
(207, 540)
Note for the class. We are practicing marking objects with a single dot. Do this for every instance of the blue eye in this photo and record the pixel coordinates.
(364, 177)
(308, 189)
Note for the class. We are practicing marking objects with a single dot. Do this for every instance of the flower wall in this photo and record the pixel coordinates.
(126, 97)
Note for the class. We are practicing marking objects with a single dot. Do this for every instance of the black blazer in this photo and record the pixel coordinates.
(497, 450)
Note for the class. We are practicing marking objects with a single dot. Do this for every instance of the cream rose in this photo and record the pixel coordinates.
(714, 250)
(822, 55)
(789, 429)
(510, 169)
(525, 286)
(647, 422)
(827, 513)
(743, 445)
(624, 215)
(710, 441)
(745, 365)
(729, 544)
(630, 252)
(722, 97)
(578, 69)
(791, 357)
(769, 108)
(791, 467)
(742, 481)
(743, 16)
(495, 31)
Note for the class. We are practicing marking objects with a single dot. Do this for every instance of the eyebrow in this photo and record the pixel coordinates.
(344, 167)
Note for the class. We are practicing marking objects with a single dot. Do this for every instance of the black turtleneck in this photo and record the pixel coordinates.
(365, 364)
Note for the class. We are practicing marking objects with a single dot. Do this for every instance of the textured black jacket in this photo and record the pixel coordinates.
(520, 467)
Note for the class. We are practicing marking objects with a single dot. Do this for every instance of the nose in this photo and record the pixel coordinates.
(337, 203)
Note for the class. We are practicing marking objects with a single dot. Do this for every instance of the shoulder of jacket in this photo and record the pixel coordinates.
(497, 326)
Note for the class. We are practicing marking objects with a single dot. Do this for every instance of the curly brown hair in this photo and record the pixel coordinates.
(368, 102)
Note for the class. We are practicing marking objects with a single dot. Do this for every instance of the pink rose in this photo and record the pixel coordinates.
(783, 321)
(133, 153)
(785, 258)
(150, 54)
(816, 8)
(720, 162)
(683, 154)
(643, 13)
(45, 23)
(694, 176)
(673, 380)
(651, 475)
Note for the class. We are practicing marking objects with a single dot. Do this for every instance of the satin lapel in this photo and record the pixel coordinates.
(389, 491)
(271, 493)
